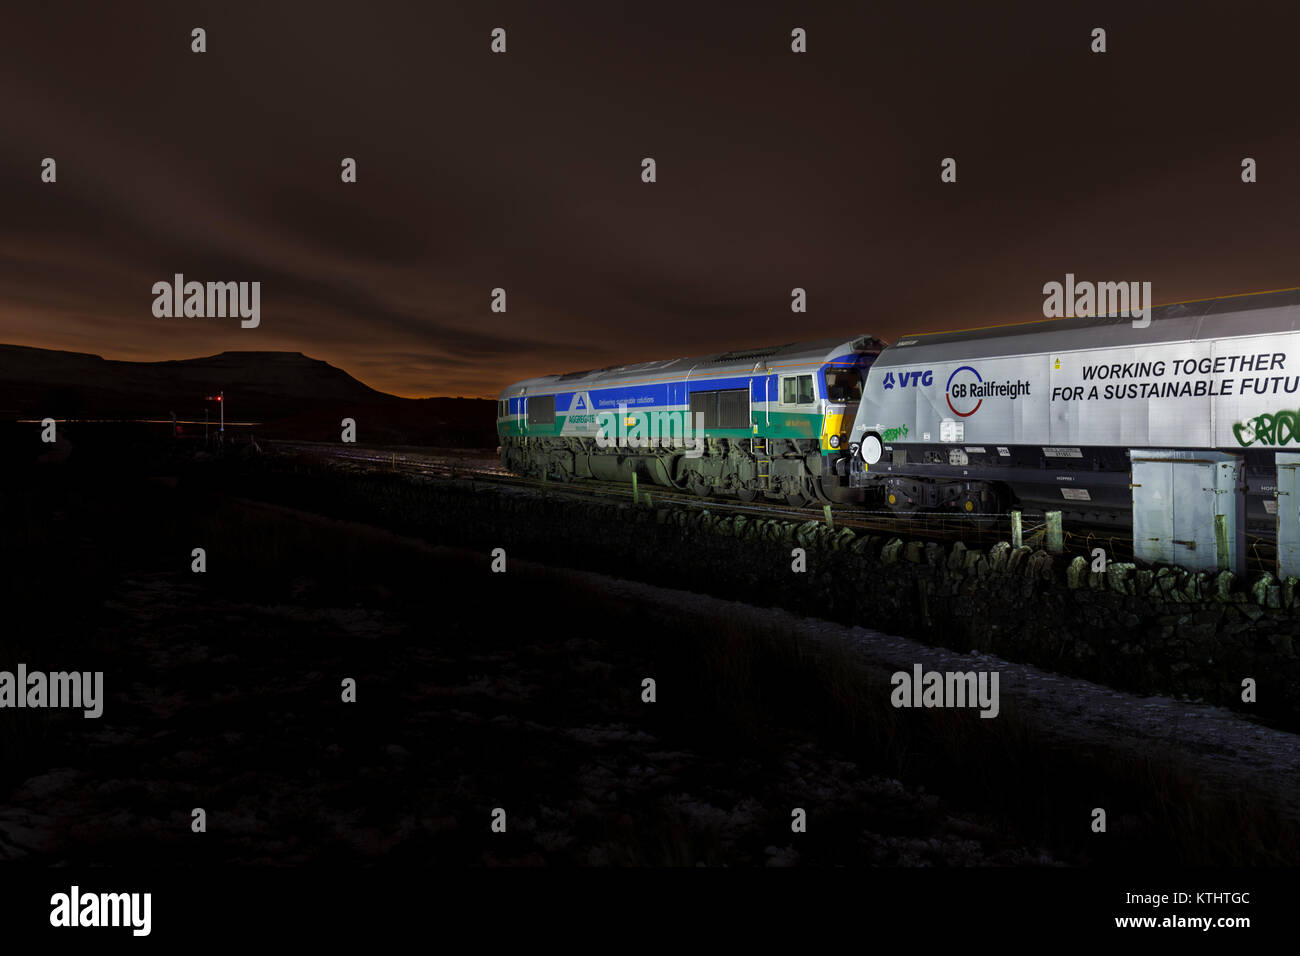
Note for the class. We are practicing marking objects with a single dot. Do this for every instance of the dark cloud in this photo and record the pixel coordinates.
(522, 171)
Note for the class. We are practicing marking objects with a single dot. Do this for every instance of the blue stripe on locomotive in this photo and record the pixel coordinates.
(660, 394)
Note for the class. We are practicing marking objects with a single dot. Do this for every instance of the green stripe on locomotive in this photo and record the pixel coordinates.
(783, 424)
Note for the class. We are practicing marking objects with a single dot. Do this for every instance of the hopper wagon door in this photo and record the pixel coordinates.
(1193, 504)
(1288, 515)
(1189, 509)
(1153, 510)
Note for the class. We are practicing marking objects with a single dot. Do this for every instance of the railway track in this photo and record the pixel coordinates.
(973, 530)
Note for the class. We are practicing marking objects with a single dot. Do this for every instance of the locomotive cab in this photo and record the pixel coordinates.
(842, 382)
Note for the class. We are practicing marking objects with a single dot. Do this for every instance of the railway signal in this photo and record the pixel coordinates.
(220, 399)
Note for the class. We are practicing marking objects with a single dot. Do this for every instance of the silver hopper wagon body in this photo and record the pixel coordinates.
(1044, 414)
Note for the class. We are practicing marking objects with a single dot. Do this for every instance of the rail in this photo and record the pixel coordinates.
(977, 530)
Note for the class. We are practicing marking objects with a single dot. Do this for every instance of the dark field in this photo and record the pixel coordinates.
(476, 691)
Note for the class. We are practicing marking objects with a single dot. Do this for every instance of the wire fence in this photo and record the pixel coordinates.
(975, 530)
(981, 530)
(985, 530)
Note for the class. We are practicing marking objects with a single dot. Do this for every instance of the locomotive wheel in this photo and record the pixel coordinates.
(698, 486)
(798, 500)
(835, 493)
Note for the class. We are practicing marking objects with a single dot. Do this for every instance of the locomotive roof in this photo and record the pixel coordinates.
(1228, 317)
(737, 361)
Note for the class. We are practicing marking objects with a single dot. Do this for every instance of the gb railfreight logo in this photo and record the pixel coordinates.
(966, 391)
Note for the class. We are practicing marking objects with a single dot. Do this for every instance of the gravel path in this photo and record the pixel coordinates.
(1220, 746)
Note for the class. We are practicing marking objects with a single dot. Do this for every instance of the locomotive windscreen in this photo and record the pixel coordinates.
(843, 384)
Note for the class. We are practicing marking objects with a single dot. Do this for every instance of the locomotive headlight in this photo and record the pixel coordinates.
(835, 441)
(872, 449)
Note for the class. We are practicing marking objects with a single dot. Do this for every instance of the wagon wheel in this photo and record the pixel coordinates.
(898, 504)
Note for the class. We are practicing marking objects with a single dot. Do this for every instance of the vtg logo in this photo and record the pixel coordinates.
(906, 379)
(964, 385)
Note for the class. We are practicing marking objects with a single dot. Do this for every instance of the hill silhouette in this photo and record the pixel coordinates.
(292, 395)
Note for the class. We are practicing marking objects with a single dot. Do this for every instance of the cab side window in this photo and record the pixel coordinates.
(797, 390)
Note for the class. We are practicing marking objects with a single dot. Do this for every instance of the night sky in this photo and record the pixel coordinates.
(523, 171)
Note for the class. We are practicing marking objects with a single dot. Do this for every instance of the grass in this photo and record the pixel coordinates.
(741, 704)
(758, 689)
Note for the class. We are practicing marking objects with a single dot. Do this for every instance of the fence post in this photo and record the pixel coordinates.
(1055, 534)
(1017, 537)
(830, 523)
(1221, 542)
(636, 495)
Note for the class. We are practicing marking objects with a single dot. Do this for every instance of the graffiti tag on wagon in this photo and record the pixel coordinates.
(894, 434)
(1280, 428)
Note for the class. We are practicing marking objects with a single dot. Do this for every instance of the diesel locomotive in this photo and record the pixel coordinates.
(770, 422)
